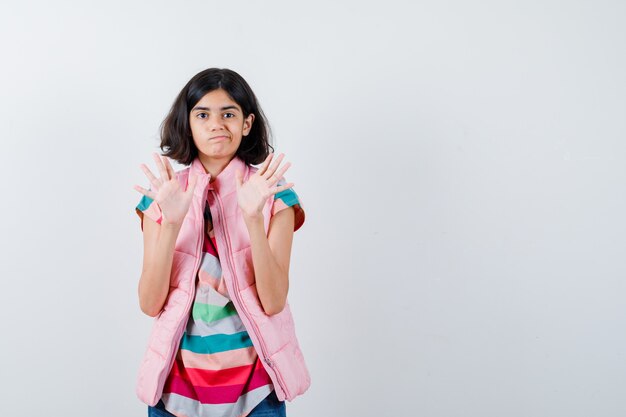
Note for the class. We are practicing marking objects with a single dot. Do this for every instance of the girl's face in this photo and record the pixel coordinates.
(218, 125)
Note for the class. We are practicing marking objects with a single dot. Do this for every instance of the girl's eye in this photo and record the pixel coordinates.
(229, 115)
(202, 115)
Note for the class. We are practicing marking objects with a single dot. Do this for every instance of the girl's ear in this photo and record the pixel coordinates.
(247, 124)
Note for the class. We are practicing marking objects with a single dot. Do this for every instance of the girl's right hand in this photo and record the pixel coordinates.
(166, 191)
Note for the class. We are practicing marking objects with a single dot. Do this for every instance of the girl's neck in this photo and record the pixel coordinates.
(214, 166)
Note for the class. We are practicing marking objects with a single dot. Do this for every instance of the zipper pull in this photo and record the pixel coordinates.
(269, 362)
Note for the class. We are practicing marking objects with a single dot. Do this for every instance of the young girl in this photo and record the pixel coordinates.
(217, 244)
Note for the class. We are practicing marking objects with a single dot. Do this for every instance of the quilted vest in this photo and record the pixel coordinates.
(273, 337)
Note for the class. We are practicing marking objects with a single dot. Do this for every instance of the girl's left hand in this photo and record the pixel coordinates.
(253, 194)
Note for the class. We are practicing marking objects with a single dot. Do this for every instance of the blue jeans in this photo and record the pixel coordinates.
(269, 407)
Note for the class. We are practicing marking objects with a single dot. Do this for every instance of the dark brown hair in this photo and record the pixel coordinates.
(176, 139)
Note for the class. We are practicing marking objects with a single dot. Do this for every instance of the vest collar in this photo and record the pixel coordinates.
(225, 181)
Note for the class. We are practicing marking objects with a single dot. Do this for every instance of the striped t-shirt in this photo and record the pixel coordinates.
(217, 371)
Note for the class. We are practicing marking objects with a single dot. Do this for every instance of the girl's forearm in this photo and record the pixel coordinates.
(272, 282)
(154, 283)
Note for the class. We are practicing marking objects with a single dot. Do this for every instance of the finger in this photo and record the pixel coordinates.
(282, 188)
(265, 164)
(238, 179)
(168, 167)
(161, 167)
(281, 172)
(153, 180)
(191, 184)
(147, 193)
(270, 171)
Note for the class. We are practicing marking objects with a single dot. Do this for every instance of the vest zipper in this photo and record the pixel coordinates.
(236, 294)
(179, 334)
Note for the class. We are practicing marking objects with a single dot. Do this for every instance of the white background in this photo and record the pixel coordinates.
(461, 164)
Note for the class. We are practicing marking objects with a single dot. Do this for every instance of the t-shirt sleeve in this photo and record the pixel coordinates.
(289, 198)
(148, 207)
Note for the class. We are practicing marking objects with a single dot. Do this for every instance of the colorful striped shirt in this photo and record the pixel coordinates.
(217, 371)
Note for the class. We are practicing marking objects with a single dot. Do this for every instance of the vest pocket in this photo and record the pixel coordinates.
(182, 270)
(244, 268)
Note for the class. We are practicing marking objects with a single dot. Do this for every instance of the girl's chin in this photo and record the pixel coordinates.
(218, 153)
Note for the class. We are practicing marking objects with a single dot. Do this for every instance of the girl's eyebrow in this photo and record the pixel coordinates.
(222, 109)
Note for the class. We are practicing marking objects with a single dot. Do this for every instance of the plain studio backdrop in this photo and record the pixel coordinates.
(461, 164)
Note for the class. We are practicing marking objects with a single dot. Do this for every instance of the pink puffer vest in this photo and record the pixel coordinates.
(273, 337)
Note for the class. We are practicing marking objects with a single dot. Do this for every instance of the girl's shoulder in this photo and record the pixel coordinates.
(289, 198)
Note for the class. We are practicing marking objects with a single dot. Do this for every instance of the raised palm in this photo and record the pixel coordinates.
(166, 191)
(252, 195)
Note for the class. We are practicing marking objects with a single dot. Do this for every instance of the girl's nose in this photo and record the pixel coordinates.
(216, 123)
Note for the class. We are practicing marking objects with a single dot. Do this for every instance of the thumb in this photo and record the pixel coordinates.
(191, 184)
(238, 179)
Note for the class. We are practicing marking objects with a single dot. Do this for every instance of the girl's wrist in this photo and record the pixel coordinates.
(253, 218)
(171, 225)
